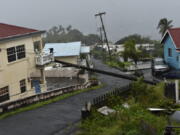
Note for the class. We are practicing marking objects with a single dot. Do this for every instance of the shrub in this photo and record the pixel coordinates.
(132, 121)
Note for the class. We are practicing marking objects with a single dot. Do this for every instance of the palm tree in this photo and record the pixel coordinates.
(164, 25)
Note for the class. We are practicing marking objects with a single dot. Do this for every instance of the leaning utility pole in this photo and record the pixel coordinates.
(105, 35)
(101, 36)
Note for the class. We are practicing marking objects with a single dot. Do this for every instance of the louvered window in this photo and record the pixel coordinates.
(23, 85)
(4, 94)
(15, 53)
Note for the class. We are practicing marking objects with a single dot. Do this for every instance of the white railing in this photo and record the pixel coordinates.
(43, 59)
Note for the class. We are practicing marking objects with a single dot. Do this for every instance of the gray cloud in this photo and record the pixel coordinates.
(123, 17)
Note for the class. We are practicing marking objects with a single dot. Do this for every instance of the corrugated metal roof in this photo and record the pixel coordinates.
(64, 49)
(85, 49)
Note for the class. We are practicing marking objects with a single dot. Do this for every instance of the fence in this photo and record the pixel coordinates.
(101, 100)
(170, 91)
(38, 97)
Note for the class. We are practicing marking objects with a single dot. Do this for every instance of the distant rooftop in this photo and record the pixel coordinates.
(9, 31)
(85, 49)
(64, 49)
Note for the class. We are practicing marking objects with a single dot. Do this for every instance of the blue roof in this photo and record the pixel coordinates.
(64, 49)
(85, 49)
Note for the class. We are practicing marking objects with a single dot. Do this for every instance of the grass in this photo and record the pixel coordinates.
(135, 120)
(49, 101)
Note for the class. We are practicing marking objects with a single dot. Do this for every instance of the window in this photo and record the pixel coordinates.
(11, 52)
(23, 85)
(177, 58)
(15, 53)
(169, 52)
(4, 94)
(37, 46)
(20, 50)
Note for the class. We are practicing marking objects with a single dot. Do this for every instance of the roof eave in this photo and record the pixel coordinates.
(67, 56)
(167, 32)
(23, 35)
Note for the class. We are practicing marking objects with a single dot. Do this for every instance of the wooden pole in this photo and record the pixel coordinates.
(105, 35)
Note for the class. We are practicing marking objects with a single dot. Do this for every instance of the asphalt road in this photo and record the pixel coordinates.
(61, 117)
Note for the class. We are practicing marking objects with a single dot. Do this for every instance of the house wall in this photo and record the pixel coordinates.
(172, 61)
(69, 59)
(11, 73)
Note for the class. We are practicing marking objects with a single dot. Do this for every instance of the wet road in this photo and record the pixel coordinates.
(58, 118)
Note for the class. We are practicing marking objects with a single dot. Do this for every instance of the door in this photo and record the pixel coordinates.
(36, 85)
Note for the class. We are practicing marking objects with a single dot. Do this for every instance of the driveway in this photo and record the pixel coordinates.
(58, 118)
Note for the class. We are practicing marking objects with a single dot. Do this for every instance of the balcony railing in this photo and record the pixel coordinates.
(43, 59)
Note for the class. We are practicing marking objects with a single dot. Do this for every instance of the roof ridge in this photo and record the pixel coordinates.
(174, 28)
(11, 25)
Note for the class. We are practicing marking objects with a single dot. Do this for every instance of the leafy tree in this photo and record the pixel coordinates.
(69, 28)
(61, 34)
(137, 38)
(164, 25)
(131, 52)
(91, 39)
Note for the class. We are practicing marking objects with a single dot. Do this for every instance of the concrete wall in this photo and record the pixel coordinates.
(58, 72)
(11, 73)
(172, 61)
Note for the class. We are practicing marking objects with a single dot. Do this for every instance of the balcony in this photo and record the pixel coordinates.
(44, 58)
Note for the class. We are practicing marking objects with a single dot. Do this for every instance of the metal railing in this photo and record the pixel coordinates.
(43, 59)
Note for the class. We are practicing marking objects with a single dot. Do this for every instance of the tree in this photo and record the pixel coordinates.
(136, 37)
(60, 34)
(164, 25)
(131, 52)
(91, 39)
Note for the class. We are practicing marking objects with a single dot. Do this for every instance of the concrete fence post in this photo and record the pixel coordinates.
(177, 90)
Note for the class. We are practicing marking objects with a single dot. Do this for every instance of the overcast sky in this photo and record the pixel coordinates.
(124, 17)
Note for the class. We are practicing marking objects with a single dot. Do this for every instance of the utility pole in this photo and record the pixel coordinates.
(101, 35)
(105, 35)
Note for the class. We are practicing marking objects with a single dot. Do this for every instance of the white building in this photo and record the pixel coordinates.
(120, 48)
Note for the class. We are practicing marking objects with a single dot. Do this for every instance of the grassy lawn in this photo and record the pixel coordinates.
(42, 103)
(135, 120)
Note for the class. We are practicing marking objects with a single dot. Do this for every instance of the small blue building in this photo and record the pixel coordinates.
(171, 43)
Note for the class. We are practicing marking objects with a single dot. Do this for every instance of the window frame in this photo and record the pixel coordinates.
(169, 52)
(37, 46)
(177, 58)
(17, 53)
(4, 93)
(20, 52)
(22, 84)
(11, 54)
